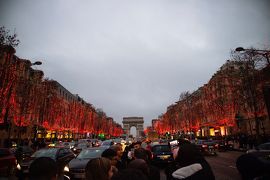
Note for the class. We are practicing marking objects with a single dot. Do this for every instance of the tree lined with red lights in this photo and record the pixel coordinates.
(61, 114)
(232, 90)
(29, 100)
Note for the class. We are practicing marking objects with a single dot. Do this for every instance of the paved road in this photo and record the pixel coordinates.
(223, 165)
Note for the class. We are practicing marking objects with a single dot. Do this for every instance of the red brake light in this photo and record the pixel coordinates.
(204, 145)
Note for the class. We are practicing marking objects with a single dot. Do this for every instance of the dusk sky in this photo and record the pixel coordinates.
(134, 58)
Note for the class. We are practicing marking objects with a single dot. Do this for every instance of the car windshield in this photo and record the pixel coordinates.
(90, 153)
(117, 140)
(83, 140)
(265, 146)
(68, 144)
(4, 152)
(161, 149)
(27, 149)
(58, 144)
(204, 142)
(82, 145)
(45, 153)
(208, 142)
(106, 143)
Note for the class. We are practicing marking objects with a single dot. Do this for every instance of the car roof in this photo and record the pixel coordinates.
(162, 144)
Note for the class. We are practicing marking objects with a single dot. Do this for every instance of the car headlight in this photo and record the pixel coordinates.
(18, 166)
(66, 169)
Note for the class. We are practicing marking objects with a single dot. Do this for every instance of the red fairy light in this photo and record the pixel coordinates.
(46, 125)
(42, 106)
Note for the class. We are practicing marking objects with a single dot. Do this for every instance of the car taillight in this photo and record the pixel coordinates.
(13, 161)
(204, 146)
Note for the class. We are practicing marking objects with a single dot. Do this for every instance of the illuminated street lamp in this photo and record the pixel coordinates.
(36, 127)
(264, 53)
(36, 63)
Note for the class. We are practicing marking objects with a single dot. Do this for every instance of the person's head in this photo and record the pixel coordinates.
(111, 155)
(249, 166)
(43, 168)
(141, 153)
(182, 141)
(118, 149)
(188, 154)
(141, 165)
(99, 169)
(137, 145)
(130, 174)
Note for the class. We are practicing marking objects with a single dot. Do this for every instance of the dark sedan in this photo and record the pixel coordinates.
(162, 154)
(207, 147)
(79, 147)
(76, 167)
(7, 162)
(222, 145)
(23, 152)
(254, 165)
(263, 148)
(62, 156)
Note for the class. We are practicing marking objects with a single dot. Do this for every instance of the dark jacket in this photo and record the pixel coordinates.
(194, 171)
(253, 165)
(190, 164)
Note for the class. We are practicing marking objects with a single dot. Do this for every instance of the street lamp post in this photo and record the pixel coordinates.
(254, 52)
(36, 63)
(264, 53)
(9, 94)
(27, 97)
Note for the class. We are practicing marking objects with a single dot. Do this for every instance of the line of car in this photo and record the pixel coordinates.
(61, 155)
(73, 166)
(16, 160)
(8, 162)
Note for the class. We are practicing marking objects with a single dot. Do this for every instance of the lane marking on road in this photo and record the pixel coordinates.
(232, 167)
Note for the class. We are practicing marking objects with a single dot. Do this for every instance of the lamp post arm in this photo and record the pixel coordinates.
(267, 58)
(264, 53)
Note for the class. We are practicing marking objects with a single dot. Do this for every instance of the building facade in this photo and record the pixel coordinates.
(33, 107)
(233, 101)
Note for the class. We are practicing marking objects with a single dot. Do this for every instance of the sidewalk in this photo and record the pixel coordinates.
(236, 147)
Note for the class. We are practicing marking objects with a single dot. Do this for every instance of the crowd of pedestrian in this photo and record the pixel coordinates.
(134, 162)
(244, 141)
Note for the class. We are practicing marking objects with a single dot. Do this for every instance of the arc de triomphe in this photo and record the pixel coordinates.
(137, 122)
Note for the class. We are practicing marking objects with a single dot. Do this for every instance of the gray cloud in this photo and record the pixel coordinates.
(134, 58)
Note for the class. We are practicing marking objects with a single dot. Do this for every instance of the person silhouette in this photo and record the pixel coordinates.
(99, 169)
(190, 164)
(43, 168)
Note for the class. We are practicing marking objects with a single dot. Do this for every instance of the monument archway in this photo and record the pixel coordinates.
(136, 122)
